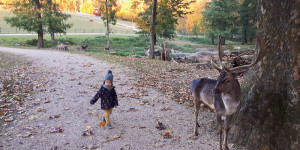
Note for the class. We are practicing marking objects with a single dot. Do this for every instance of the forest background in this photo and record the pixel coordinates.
(242, 14)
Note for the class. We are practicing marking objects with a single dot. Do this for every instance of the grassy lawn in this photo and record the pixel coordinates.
(81, 24)
(122, 45)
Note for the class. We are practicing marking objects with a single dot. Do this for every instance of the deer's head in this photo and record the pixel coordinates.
(227, 80)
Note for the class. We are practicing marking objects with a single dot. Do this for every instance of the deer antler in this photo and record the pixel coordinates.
(262, 51)
(221, 54)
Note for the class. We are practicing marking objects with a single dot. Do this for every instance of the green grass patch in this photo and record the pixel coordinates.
(122, 45)
(196, 40)
(81, 24)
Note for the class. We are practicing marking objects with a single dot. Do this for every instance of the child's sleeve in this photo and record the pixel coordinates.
(115, 98)
(97, 96)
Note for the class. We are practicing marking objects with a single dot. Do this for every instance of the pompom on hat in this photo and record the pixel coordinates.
(109, 76)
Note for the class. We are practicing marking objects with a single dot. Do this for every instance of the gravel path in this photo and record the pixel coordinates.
(72, 82)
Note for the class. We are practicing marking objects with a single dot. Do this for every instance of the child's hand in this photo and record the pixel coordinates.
(92, 102)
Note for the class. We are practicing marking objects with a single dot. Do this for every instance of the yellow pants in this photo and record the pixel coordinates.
(107, 113)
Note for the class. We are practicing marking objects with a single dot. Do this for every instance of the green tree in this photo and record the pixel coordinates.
(161, 18)
(248, 17)
(28, 17)
(220, 17)
(107, 9)
(55, 20)
(168, 12)
(34, 16)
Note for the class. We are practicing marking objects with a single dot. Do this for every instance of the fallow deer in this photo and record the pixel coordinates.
(222, 95)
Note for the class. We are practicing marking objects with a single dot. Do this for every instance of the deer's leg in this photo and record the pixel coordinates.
(227, 123)
(197, 108)
(220, 128)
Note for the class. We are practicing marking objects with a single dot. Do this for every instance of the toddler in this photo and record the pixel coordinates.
(108, 96)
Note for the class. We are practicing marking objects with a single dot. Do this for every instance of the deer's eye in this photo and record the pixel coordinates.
(227, 81)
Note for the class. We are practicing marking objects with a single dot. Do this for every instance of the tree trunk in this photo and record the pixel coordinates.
(245, 35)
(167, 52)
(269, 114)
(162, 53)
(52, 37)
(152, 29)
(107, 27)
(40, 43)
(212, 41)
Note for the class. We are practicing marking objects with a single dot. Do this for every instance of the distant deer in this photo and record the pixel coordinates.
(61, 46)
(222, 95)
(85, 45)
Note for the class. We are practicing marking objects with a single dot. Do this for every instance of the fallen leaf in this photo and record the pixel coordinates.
(102, 124)
(41, 110)
(110, 138)
(4, 112)
(167, 135)
(57, 130)
(53, 117)
(160, 126)
(165, 109)
(142, 127)
(47, 101)
(87, 133)
(29, 133)
(169, 131)
(193, 137)
(10, 119)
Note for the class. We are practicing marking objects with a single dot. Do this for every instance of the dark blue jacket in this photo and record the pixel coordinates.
(109, 98)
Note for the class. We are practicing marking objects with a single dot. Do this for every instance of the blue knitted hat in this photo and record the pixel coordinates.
(109, 76)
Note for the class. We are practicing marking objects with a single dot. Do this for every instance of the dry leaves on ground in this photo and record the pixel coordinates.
(111, 138)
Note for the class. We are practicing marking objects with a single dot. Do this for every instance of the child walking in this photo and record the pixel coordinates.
(108, 96)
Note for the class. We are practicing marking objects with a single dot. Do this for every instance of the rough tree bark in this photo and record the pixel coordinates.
(269, 114)
(40, 43)
(152, 29)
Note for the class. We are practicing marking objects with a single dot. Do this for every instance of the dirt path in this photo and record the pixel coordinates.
(72, 82)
